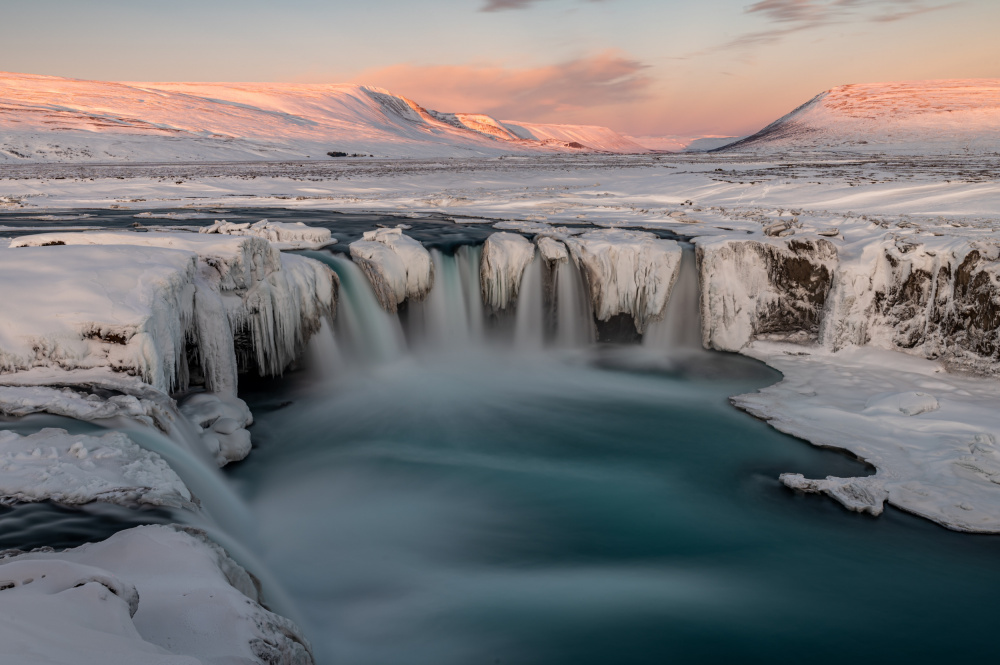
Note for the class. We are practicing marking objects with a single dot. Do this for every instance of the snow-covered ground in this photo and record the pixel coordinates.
(896, 254)
(872, 284)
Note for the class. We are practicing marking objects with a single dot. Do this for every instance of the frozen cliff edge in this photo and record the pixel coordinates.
(134, 598)
(865, 334)
(397, 266)
(627, 272)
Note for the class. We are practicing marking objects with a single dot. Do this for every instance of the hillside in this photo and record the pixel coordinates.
(44, 118)
(911, 117)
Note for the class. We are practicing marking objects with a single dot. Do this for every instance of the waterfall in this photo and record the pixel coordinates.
(365, 332)
(574, 319)
(452, 314)
(680, 329)
(529, 314)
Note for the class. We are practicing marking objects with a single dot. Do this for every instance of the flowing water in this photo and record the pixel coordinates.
(495, 493)
(453, 486)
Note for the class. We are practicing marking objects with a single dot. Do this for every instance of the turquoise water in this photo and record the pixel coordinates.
(495, 507)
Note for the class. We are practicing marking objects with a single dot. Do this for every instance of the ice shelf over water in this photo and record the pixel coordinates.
(281, 235)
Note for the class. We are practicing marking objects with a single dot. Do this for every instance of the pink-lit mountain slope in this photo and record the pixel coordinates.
(45, 118)
(912, 117)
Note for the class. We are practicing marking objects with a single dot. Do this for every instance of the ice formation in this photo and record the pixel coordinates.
(628, 272)
(281, 235)
(52, 465)
(397, 266)
(862, 495)
(501, 267)
(153, 595)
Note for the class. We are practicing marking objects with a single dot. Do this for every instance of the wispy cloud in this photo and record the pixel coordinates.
(535, 93)
(791, 16)
(504, 5)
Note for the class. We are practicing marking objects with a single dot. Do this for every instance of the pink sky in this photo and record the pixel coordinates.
(643, 67)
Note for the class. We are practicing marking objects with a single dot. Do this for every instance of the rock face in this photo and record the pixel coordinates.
(501, 267)
(627, 272)
(763, 288)
(397, 266)
(935, 297)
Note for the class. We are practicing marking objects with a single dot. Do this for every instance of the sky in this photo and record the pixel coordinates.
(642, 67)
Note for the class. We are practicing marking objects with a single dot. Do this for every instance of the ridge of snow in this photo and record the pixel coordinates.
(957, 116)
(281, 235)
(46, 118)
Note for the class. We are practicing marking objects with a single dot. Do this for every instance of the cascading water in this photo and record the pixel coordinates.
(679, 331)
(529, 316)
(365, 332)
(574, 319)
(452, 314)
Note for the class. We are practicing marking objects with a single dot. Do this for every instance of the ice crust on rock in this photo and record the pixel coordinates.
(277, 300)
(628, 272)
(908, 403)
(152, 594)
(397, 266)
(53, 465)
(127, 308)
(501, 267)
(862, 495)
(763, 288)
(223, 421)
(282, 235)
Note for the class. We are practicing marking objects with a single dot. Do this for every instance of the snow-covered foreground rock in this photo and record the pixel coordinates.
(397, 266)
(152, 594)
(52, 465)
(502, 264)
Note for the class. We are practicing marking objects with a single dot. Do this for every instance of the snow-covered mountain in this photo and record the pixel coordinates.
(45, 118)
(911, 117)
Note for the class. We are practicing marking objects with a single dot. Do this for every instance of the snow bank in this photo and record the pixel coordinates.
(127, 308)
(153, 594)
(763, 288)
(272, 302)
(932, 435)
(501, 267)
(628, 272)
(52, 465)
(397, 266)
(282, 235)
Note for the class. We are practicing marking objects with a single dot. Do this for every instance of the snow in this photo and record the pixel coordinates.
(279, 299)
(223, 420)
(282, 235)
(127, 308)
(152, 594)
(52, 465)
(48, 118)
(579, 137)
(397, 266)
(959, 116)
(931, 434)
(501, 267)
(628, 272)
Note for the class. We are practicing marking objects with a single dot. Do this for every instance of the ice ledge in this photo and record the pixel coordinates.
(941, 463)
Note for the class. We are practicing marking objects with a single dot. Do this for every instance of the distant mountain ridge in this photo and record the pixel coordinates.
(952, 116)
(47, 118)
